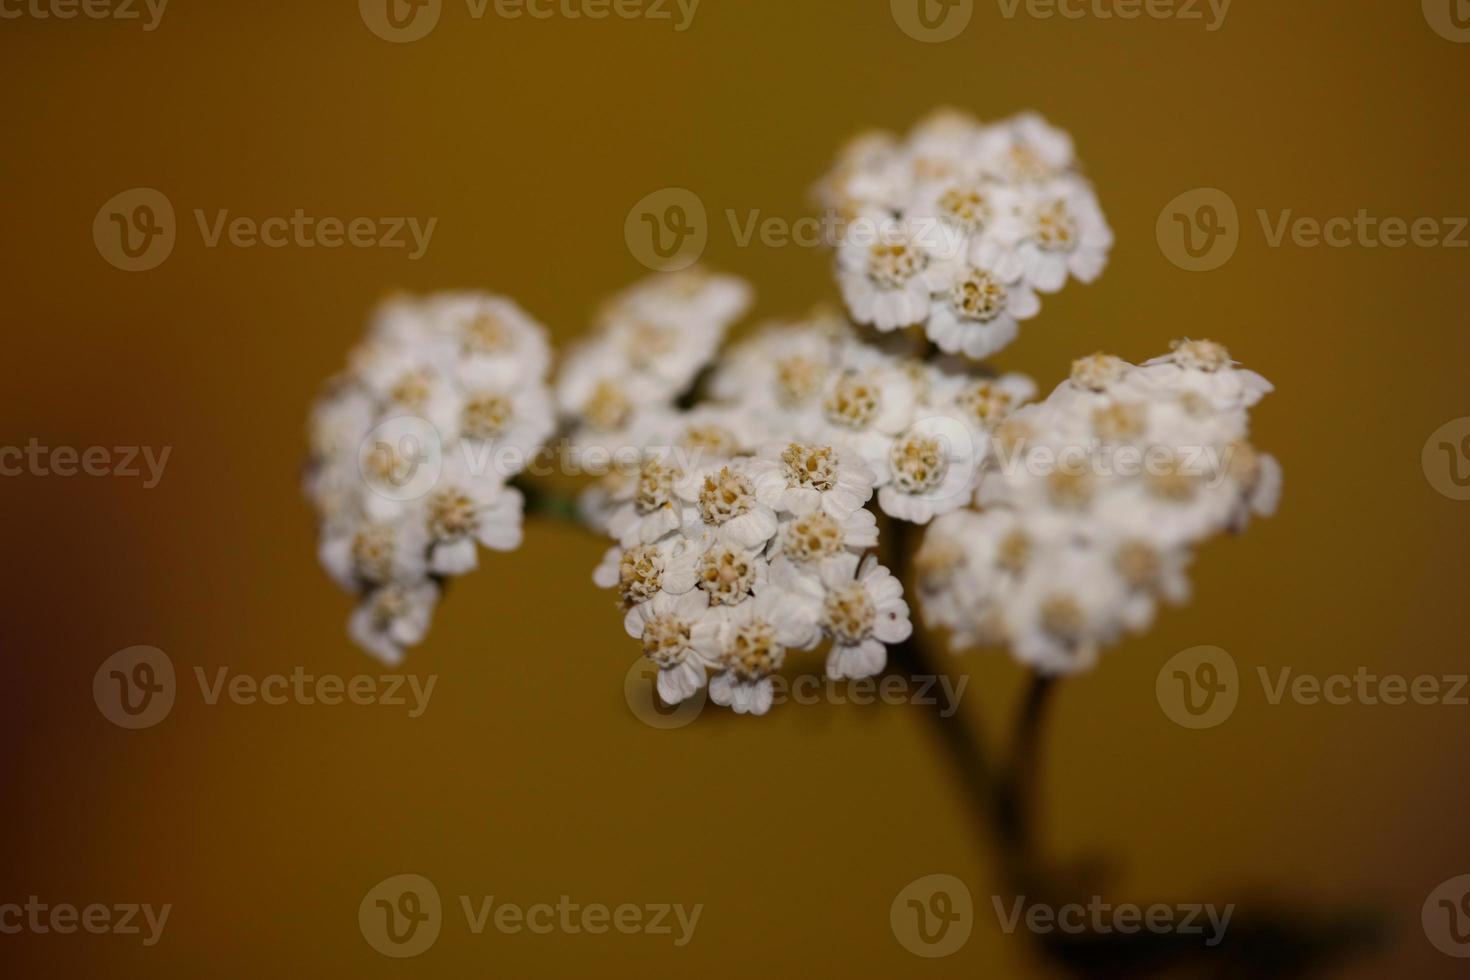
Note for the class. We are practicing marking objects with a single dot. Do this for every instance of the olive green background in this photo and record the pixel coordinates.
(528, 777)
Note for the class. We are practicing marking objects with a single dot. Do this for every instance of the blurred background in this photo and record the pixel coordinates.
(528, 777)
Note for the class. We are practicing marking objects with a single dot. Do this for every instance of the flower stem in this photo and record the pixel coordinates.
(547, 502)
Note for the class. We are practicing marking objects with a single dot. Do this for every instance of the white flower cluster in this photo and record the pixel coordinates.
(741, 531)
(412, 448)
(921, 427)
(648, 347)
(1090, 504)
(743, 487)
(958, 227)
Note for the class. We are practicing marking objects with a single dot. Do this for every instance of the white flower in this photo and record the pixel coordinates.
(595, 388)
(641, 572)
(1065, 609)
(373, 553)
(1059, 232)
(393, 617)
(866, 408)
(1202, 369)
(983, 403)
(673, 629)
(465, 509)
(817, 536)
(777, 378)
(798, 478)
(700, 300)
(650, 344)
(861, 609)
(976, 314)
(647, 506)
(931, 470)
(502, 428)
(887, 270)
(729, 574)
(750, 645)
(496, 343)
(1026, 148)
(726, 503)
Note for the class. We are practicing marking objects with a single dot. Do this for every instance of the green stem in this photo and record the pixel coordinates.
(544, 501)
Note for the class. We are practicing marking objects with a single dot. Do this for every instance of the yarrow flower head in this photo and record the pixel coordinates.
(1090, 506)
(749, 489)
(413, 447)
(958, 227)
